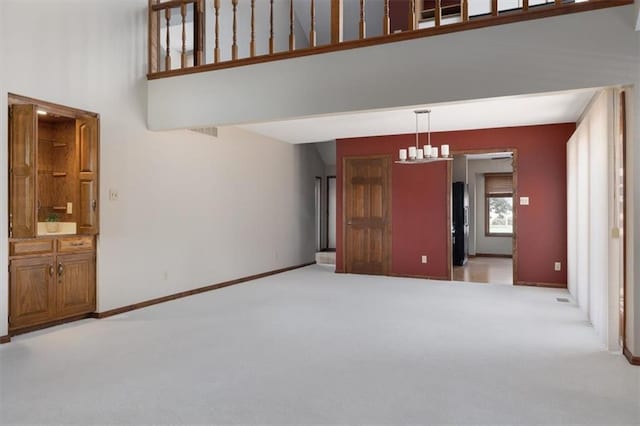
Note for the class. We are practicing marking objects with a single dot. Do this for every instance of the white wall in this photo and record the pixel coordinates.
(201, 209)
(478, 241)
(592, 273)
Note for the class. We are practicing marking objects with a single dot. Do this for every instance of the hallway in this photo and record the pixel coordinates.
(494, 270)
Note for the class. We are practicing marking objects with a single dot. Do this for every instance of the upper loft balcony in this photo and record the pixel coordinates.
(218, 80)
(190, 36)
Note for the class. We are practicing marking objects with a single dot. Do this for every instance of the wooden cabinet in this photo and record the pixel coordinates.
(54, 168)
(51, 280)
(53, 173)
(32, 292)
(76, 284)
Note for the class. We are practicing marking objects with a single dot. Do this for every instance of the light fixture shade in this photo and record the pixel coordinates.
(427, 151)
(444, 150)
(413, 152)
(420, 155)
(434, 152)
(403, 155)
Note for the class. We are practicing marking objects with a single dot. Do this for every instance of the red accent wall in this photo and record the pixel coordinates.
(420, 199)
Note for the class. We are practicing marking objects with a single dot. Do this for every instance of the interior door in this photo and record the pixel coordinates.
(367, 215)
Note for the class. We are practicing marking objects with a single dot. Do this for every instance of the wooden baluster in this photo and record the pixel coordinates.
(337, 14)
(167, 58)
(412, 15)
(558, 2)
(312, 32)
(494, 7)
(216, 51)
(465, 10)
(386, 21)
(271, 37)
(183, 56)
(363, 24)
(525, 5)
(252, 44)
(437, 13)
(234, 46)
(198, 33)
(154, 38)
(292, 37)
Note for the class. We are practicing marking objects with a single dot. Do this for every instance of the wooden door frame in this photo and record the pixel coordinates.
(389, 231)
(514, 238)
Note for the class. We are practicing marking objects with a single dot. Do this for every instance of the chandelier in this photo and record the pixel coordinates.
(428, 153)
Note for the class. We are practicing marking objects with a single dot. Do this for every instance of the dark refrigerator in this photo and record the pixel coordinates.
(460, 231)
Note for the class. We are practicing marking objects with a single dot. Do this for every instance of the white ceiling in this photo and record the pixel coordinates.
(551, 108)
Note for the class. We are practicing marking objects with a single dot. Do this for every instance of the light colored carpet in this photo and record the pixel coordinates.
(310, 346)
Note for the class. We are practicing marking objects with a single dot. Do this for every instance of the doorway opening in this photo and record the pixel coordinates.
(483, 191)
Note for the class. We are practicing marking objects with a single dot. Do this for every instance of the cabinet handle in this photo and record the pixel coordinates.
(60, 269)
(51, 270)
(94, 204)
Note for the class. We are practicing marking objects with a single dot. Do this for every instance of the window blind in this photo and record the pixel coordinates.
(495, 184)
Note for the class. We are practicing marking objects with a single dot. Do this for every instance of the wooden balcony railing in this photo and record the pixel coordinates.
(187, 36)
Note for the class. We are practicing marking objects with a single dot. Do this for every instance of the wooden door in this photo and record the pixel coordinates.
(87, 134)
(76, 284)
(367, 215)
(23, 144)
(31, 292)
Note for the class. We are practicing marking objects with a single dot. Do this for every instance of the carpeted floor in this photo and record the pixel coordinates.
(310, 346)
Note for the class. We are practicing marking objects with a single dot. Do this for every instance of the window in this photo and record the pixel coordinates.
(498, 211)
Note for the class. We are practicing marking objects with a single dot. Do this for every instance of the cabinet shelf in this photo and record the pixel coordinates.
(56, 144)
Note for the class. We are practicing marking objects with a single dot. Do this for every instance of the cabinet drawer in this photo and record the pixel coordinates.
(75, 244)
(30, 247)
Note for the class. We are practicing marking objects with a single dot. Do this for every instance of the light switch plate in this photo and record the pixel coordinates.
(524, 201)
(557, 266)
(424, 259)
(113, 195)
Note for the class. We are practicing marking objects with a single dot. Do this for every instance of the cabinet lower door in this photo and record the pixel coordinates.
(76, 284)
(32, 292)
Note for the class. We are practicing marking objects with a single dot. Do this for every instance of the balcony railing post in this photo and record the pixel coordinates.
(386, 20)
(252, 43)
(337, 13)
(292, 36)
(494, 7)
(525, 5)
(154, 38)
(234, 46)
(437, 13)
(312, 31)
(167, 58)
(412, 22)
(465, 10)
(271, 33)
(363, 20)
(198, 33)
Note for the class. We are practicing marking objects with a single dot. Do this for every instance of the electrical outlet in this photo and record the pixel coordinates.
(424, 259)
(524, 201)
(557, 266)
(113, 195)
